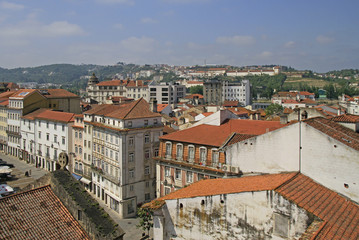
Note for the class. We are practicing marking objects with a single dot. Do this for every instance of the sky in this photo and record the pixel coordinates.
(318, 35)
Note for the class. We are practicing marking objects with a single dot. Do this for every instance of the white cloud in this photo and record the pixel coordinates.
(142, 44)
(324, 39)
(31, 28)
(118, 26)
(148, 20)
(236, 40)
(289, 44)
(129, 2)
(11, 6)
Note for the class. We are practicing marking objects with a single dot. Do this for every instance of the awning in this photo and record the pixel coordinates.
(78, 177)
(85, 181)
(5, 171)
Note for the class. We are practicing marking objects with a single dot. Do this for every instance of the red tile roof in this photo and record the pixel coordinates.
(4, 102)
(335, 131)
(305, 93)
(22, 93)
(57, 93)
(126, 110)
(346, 118)
(237, 137)
(218, 186)
(340, 215)
(37, 214)
(228, 103)
(160, 107)
(48, 114)
(7, 94)
(308, 101)
(216, 135)
(113, 83)
(289, 101)
(206, 114)
(194, 95)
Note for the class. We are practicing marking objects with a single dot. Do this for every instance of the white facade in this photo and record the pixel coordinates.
(246, 215)
(239, 92)
(322, 158)
(166, 93)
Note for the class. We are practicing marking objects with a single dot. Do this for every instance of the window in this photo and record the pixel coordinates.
(85, 143)
(179, 153)
(130, 208)
(63, 128)
(147, 196)
(76, 149)
(154, 121)
(63, 140)
(167, 171)
(281, 225)
(191, 153)
(131, 173)
(131, 141)
(147, 138)
(80, 134)
(189, 176)
(147, 184)
(147, 154)
(129, 124)
(155, 152)
(39, 134)
(131, 188)
(76, 134)
(47, 124)
(215, 157)
(146, 122)
(202, 154)
(55, 126)
(47, 136)
(147, 170)
(178, 174)
(167, 190)
(39, 123)
(131, 157)
(80, 150)
(55, 138)
(168, 149)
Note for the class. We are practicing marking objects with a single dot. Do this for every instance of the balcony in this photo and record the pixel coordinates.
(79, 171)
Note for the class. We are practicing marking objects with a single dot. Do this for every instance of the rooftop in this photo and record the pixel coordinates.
(48, 114)
(126, 110)
(346, 118)
(37, 214)
(216, 135)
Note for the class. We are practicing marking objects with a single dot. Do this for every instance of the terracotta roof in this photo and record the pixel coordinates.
(228, 103)
(126, 110)
(48, 114)
(160, 107)
(346, 118)
(57, 93)
(7, 94)
(206, 114)
(194, 95)
(288, 110)
(167, 130)
(237, 137)
(37, 214)
(289, 101)
(336, 131)
(4, 102)
(112, 83)
(216, 135)
(285, 94)
(308, 101)
(22, 93)
(136, 83)
(219, 186)
(340, 216)
(194, 82)
(305, 93)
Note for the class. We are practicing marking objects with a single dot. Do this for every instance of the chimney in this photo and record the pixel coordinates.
(283, 119)
(153, 105)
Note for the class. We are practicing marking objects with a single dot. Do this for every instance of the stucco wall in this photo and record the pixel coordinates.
(248, 215)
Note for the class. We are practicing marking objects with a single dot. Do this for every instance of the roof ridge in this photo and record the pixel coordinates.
(287, 181)
(129, 111)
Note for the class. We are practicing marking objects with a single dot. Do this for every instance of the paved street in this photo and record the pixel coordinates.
(19, 180)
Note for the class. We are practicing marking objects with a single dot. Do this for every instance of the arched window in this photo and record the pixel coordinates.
(202, 155)
(179, 151)
(168, 149)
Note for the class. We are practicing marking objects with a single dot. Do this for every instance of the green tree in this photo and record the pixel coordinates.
(196, 89)
(146, 221)
(273, 109)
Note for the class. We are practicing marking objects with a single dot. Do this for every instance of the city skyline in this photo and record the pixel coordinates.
(319, 36)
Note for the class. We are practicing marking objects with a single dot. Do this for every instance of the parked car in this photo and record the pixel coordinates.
(6, 190)
(7, 164)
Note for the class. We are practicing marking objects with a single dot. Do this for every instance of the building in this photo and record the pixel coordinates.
(271, 206)
(101, 92)
(38, 214)
(217, 92)
(61, 100)
(166, 93)
(45, 134)
(351, 104)
(196, 153)
(3, 124)
(121, 141)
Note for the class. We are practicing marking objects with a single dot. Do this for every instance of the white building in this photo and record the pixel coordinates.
(45, 134)
(123, 138)
(166, 93)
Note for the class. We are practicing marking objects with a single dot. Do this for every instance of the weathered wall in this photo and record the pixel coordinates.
(248, 215)
(330, 162)
(272, 152)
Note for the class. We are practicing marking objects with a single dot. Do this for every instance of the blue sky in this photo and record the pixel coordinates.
(317, 35)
